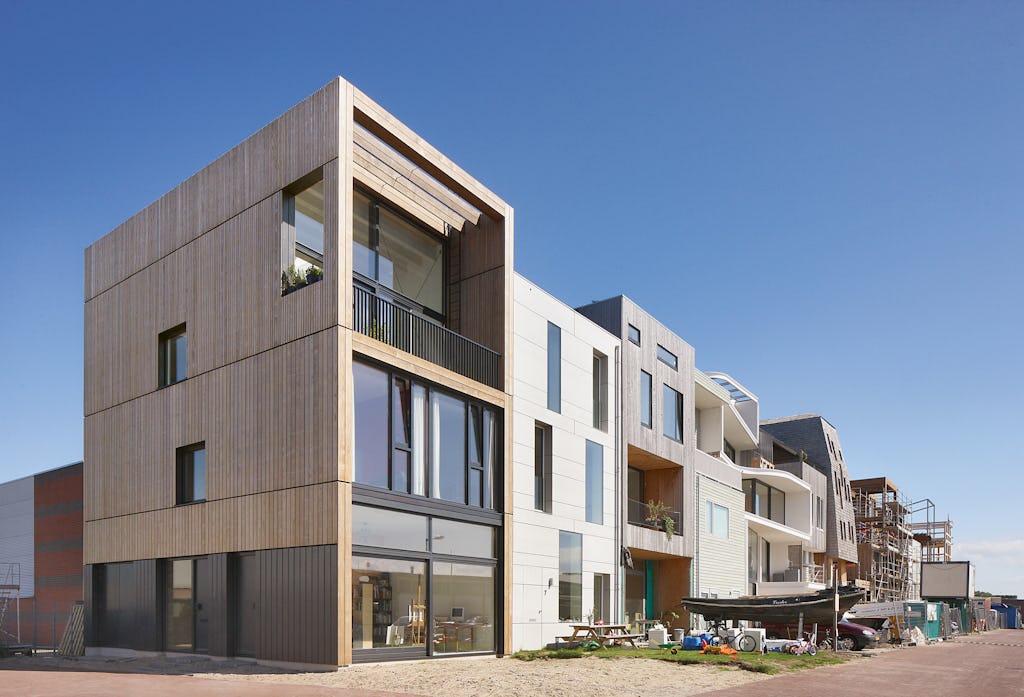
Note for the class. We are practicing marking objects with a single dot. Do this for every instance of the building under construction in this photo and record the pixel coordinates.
(885, 546)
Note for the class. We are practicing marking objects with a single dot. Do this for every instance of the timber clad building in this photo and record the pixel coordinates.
(296, 403)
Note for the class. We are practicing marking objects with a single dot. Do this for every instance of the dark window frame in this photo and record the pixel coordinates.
(185, 474)
(673, 396)
(769, 514)
(668, 358)
(497, 472)
(542, 475)
(647, 414)
(165, 371)
(633, 334)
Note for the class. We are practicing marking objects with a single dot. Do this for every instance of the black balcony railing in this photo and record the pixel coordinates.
(383, 320)
(637, 512)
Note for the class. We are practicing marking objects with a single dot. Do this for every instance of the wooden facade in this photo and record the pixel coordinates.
(268, 387)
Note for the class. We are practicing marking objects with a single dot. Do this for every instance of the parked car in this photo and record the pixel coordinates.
(852, 637)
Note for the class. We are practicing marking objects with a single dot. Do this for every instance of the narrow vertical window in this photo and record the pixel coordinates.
(600, 388)
(602, 597)
(370, 389)
(595, 483)
(302, 254)
(646, 417)
(542, 467)
(190, 474)
(554, 367)
(570, 576)
(672, 413)
(173, 350)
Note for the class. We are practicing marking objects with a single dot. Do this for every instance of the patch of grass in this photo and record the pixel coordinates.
(770, 663)
(542, 654)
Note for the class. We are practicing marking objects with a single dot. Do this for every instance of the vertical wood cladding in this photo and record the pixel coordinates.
(293, 145)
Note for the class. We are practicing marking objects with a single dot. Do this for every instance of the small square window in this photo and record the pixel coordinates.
(190, 474)
(172, 356)
(634, 334)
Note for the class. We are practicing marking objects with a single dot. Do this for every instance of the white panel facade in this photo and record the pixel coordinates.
(535, 533)
(17, 530)
(721, 563)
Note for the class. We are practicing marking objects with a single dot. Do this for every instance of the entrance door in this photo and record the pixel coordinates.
(246, 593)
(636, 592)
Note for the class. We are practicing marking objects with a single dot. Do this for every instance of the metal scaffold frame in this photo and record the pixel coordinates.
(935, 536)
(883, 534)
(10, 590)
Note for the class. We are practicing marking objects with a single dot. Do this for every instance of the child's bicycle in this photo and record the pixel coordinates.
(802, 645)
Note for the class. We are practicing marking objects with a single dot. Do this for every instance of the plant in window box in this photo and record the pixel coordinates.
(314, 274)
(661, 516)
(292, 279)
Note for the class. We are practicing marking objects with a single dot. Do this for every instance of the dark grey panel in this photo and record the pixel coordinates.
(298, 604)
(125, 605)
(58, 509)
(59, 473)
(216, 605)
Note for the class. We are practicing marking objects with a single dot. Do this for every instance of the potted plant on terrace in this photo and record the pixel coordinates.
(660, 515)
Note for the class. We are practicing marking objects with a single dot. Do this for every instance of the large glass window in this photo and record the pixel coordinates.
(463, 607)
(542, 467)
(172, 356)
(554, 367)
(389, 602)
(461, 539)
(419, 440)
(570, 576)
(595, 483)
(379, 527)
(396, 254)
(646, 410)
(370, 387)
(673, 413)
(765, 501)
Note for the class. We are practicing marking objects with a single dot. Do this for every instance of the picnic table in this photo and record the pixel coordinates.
(603, 634)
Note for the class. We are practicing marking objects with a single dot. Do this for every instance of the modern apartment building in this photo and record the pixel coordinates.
(725, 425)
(297, 409)
(816, 442)
(657, 448)
(565, 473)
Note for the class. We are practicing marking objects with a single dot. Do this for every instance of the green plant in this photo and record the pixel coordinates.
(661, 515)
(314, 274)
(668, 617)
(292, 278)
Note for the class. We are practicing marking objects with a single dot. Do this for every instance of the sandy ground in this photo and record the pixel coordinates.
(487, 677)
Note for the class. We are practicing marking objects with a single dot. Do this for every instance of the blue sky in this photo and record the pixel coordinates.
(824, 199)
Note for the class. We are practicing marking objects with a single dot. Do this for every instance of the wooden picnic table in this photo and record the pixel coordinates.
(603, 634)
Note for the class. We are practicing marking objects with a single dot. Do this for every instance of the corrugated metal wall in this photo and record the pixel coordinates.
(17, 543)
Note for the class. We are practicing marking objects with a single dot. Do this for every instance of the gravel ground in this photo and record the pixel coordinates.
(487, 677)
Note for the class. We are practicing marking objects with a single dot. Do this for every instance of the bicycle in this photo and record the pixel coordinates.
(802, 645)
(740, 642)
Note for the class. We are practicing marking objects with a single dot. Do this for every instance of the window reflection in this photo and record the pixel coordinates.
(389, 599)
(463, 608)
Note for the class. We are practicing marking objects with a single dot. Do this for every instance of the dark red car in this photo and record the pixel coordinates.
(852, 637)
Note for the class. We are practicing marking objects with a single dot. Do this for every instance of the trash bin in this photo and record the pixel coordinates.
(677, 635)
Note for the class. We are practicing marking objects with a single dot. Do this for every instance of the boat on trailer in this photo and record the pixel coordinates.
(816, 607)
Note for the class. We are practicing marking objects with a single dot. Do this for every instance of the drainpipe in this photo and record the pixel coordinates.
(620, 571)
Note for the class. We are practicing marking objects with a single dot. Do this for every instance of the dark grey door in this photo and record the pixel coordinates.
(246, 595)
(202, 604)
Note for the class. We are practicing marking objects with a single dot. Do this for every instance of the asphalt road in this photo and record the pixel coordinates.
(983, 665)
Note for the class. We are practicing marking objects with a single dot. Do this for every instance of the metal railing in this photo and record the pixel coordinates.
(636, 514)
(383, 320)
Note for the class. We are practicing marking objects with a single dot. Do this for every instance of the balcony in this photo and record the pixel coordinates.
(798, 580)
(387, 322)
(636, 514)
(647, 538)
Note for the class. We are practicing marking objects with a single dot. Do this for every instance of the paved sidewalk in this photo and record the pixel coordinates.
(985, 665)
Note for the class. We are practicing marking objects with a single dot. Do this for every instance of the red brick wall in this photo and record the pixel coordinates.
(58, 553)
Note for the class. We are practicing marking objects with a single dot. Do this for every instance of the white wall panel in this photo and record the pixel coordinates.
(17, 532)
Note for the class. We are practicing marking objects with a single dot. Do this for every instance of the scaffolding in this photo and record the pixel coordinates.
(883, 539)
(934, 536)
(10, 595)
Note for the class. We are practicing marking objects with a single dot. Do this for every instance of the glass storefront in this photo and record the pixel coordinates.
(439, 599)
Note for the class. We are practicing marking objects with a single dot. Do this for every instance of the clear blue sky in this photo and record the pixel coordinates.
(825, 199)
